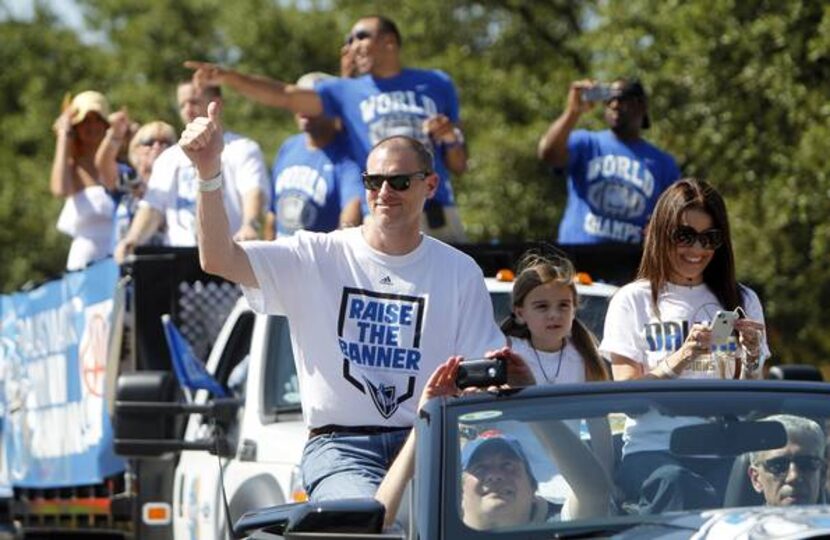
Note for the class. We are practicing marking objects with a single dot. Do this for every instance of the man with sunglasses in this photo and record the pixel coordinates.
(793, 474)
(170, 200)
(385, 99)
(614, 176)
(373, 309)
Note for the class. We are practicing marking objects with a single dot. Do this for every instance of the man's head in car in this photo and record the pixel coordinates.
(792, 474)
(498, 487)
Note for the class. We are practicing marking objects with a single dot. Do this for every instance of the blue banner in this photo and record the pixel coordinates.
(53, 354)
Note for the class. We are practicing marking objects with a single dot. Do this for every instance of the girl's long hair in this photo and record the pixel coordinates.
(534, 270)
(655, 265)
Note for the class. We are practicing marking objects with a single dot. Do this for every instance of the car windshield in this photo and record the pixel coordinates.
(554, 459)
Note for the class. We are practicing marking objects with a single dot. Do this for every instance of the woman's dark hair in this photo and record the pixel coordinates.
(655, 265)
(534, 270)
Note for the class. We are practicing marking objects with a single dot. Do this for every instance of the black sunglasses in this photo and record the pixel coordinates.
(398, 182)
(150, 141)
(685, 236)
(780, 465)
(359, 36)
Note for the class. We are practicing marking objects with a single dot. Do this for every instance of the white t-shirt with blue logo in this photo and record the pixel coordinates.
(373, 109)
(174, 184)
(612, 187)
(368, 329)
(634, 330)
(313, 185)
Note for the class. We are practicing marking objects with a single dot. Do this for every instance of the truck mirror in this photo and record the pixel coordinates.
(151, 388)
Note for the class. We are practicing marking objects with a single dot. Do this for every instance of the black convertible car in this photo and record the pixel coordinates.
(546, 462)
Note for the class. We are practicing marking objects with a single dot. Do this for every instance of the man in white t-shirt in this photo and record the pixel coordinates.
(171, 192)
(373, 309)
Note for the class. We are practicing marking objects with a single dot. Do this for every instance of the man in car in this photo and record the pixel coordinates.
(793, 474)
(497, 485)
(373, 309)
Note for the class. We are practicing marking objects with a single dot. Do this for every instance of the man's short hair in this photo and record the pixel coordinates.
(422, 153)
(796, 427)
(388, 26)
(210, 92)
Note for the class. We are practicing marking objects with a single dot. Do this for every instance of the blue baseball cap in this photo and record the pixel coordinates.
(492, 440)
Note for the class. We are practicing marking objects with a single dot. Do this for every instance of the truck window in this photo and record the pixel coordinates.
(237, 348)
(282, 390)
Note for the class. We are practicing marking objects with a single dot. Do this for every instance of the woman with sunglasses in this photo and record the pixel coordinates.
(658, 327)
(148, 143)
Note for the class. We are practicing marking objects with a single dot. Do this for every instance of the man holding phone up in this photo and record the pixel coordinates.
(373, 309)
(614, 176)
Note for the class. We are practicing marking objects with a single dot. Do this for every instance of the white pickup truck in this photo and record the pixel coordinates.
(261, 443)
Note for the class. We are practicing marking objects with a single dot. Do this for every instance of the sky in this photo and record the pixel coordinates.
(67, 9)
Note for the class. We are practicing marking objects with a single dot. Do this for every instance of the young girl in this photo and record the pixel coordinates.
(543, 328)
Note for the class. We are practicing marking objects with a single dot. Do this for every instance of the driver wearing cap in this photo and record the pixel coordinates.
(497, 485)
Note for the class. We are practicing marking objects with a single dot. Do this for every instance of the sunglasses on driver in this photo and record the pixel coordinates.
(685, 236)
(781, 465)
(398, 182)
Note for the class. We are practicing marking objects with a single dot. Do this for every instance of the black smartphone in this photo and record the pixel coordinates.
(482, 372)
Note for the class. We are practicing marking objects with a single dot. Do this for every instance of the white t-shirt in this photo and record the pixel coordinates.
(560, 367)
(87, 217)
(368, 329)
(173, 186)
(633, 330)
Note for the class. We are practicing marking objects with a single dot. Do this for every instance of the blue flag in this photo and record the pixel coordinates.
(190, 370)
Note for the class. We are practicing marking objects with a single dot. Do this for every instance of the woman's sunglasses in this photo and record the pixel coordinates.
(780, 465)
(685, 236)
(150, 141)
(398, 182)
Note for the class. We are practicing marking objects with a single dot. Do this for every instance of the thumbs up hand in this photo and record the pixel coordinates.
(202, 141)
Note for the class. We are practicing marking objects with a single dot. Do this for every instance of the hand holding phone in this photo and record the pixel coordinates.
(722, 326)
(597, 92)
(482, 372)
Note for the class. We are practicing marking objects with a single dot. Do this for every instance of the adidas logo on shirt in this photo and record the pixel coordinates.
(386, 280)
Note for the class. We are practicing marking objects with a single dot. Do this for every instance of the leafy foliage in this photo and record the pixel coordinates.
(738, 94)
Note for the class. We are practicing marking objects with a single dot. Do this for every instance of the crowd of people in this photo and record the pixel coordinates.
(383, 312)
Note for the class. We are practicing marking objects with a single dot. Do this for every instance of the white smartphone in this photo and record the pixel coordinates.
(722, 326)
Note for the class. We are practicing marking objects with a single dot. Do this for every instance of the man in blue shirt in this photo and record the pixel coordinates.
(614, 176)
(317, 186)
(386, 99)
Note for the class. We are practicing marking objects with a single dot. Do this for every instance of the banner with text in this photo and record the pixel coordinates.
(53, 354)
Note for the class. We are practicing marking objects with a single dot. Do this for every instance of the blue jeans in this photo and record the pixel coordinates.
(345, 466)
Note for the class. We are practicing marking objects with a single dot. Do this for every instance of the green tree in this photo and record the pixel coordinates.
(737, 93)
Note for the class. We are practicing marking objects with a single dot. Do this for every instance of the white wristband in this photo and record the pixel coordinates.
(211, 184)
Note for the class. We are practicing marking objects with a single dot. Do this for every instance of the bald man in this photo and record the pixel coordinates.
(373, 309)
